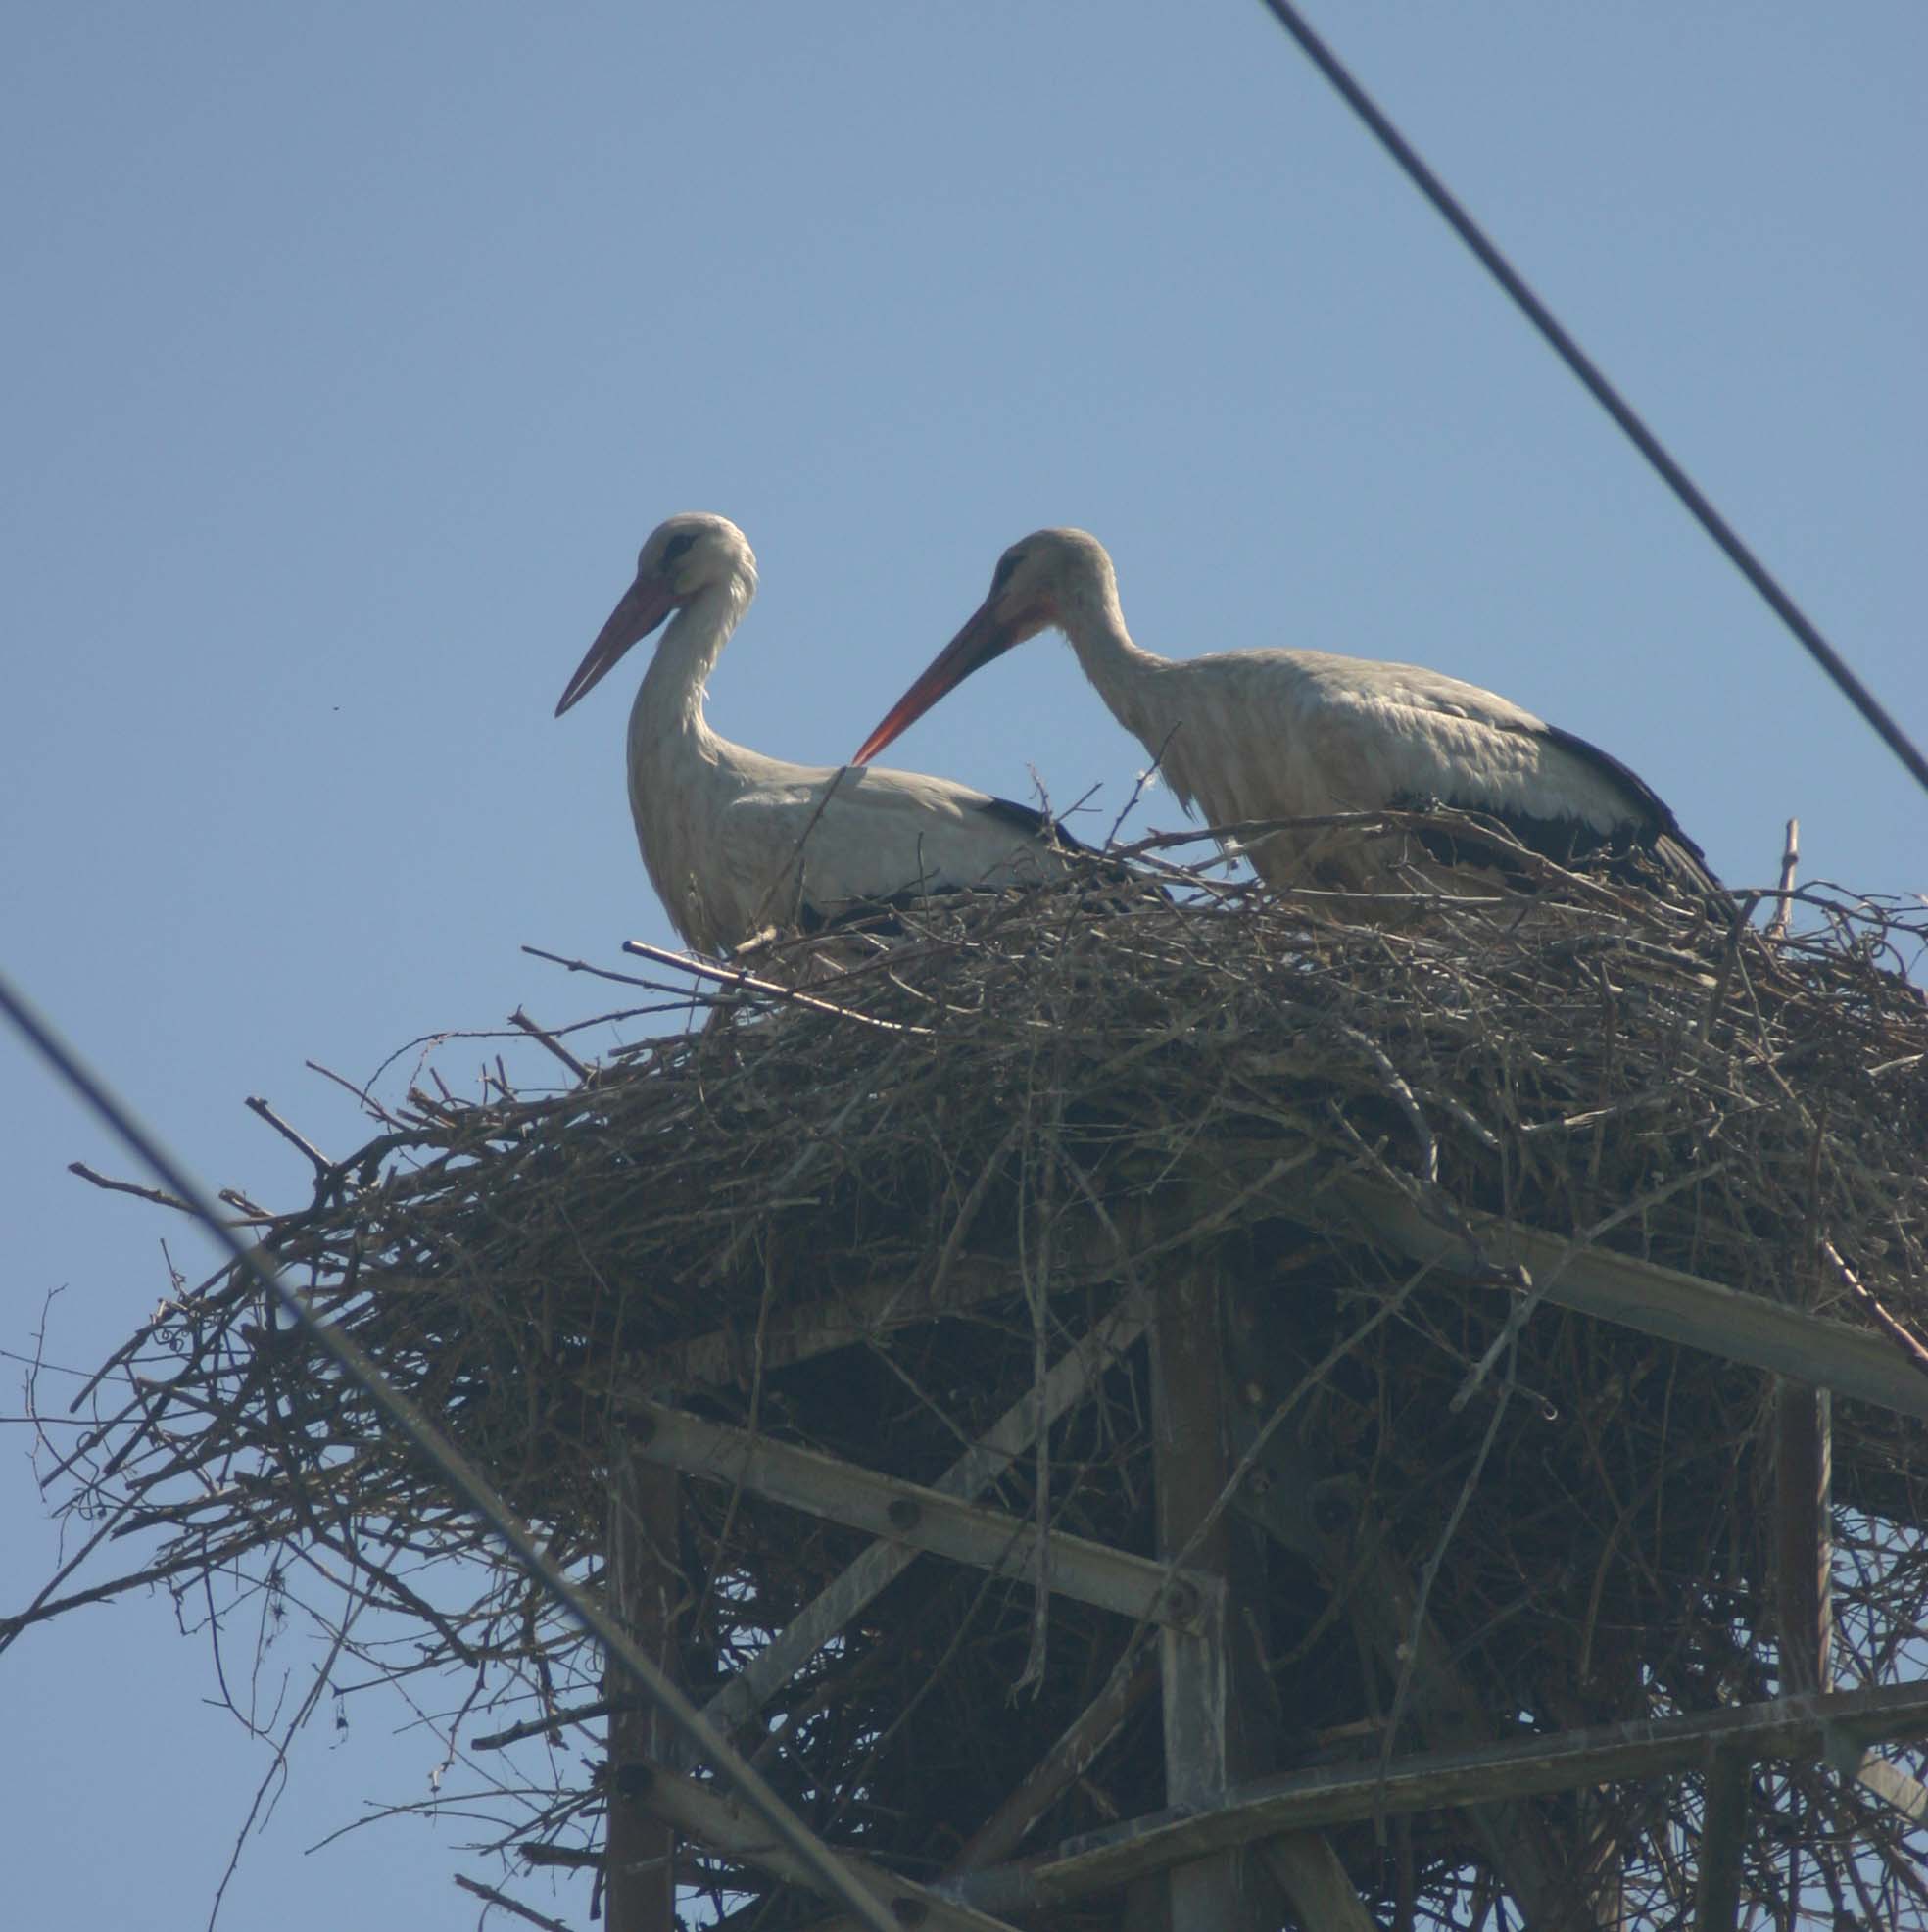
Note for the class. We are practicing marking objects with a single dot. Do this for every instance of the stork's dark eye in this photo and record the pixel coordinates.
(1006, 563)
(677, 544)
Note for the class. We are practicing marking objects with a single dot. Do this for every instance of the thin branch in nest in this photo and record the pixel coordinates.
(158, 1196)
(490, 1895)
(553, 1723)
(1910, 1344)
(768, 989)
(1142, 784)
(360, 1093)
(257, 1106)
(1777, 926)
(520, 1019)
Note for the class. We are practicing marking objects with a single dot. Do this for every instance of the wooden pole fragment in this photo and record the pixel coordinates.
(1804, 1568)
(1893, 1786)
(918, 1515)
(645, 1591)
(1213, 1678)
(1655, 1301)
(1723, 1835)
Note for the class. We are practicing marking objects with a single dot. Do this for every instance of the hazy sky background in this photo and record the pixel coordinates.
(351, 351)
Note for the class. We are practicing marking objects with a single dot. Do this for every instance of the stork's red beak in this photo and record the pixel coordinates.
(643, 605)
(983, 637)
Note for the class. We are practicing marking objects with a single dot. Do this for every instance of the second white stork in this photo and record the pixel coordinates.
(1245, 735)
(735, 842)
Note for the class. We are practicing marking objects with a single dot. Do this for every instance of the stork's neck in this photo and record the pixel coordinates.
(671, 703)
(1123, 676)
(678, 768)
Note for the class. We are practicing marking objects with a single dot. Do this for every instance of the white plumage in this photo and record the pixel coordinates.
(735, 842)
(1297, 734)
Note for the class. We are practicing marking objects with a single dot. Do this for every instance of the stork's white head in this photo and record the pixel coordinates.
(1044, 580)
(682, 559)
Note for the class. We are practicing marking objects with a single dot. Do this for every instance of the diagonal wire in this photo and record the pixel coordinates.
(459, 1474)
(1603, 393)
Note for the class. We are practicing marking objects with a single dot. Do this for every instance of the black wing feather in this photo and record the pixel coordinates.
(1650, 827)
(1030, 819)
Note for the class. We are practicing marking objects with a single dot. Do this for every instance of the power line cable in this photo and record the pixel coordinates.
(459, 1473)
(1603, 393)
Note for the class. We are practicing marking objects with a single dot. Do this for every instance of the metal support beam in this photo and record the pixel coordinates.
(1069, 1382)
(919, 1517)
(1655, 1300)
(1793, 1729)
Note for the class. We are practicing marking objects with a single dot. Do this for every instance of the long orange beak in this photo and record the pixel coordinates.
(643, 607)
(982, 637)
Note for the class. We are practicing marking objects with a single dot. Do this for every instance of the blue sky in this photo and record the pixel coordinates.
(350, 352)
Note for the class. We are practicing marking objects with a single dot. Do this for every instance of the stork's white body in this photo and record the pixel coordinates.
(1250, 734)
(736, 842)
(1302, 734)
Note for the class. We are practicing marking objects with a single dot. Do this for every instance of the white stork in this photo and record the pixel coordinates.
(735, 842)
(1246, 735)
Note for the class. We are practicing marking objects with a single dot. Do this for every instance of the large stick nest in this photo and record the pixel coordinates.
(1012, 1109)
